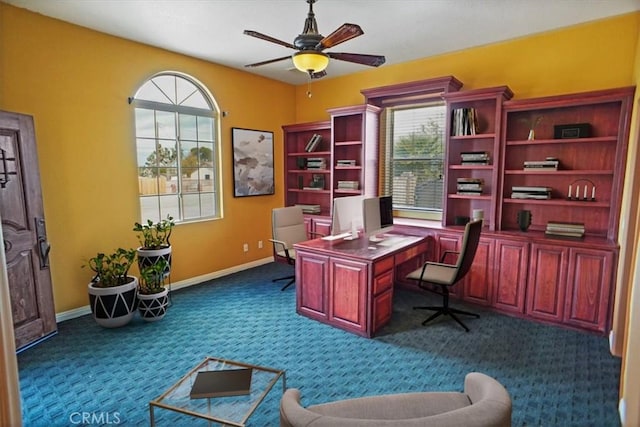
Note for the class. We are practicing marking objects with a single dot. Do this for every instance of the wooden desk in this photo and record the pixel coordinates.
(349, 283)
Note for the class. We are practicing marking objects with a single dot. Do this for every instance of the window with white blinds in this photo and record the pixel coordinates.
(414, 156)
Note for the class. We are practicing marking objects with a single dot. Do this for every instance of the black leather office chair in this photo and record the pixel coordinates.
(446, 275)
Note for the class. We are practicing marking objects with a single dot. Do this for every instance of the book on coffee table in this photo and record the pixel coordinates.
(230, 382)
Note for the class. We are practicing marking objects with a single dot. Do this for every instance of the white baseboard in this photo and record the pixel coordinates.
(622, 410)
(81, 311)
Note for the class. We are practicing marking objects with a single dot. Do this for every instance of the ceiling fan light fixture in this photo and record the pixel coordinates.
(310, 61)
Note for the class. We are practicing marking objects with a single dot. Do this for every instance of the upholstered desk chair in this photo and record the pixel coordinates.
(288, 228)
(444, 275)
(483, 403)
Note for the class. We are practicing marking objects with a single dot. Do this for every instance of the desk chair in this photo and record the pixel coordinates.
(446, 275)
(288, 228)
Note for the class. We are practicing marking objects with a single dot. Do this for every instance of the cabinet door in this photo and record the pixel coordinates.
(312, 275)
(511, 262)
(589, 288)
(546, 282)
(478, 284)
(348, 295)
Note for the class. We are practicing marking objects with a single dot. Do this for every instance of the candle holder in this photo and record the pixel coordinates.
(582, 190)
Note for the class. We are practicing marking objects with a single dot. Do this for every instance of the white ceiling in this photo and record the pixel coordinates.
(402, 30)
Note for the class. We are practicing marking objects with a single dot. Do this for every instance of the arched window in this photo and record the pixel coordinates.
(177, 149)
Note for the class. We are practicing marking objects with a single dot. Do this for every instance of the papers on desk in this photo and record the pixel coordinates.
(390, 241)
(337, 236)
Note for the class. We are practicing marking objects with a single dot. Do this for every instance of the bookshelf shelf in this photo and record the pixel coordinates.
(598, 159)
(471, 167)
(463, 138)
(350, 134)
(559, 172)
(482, 108)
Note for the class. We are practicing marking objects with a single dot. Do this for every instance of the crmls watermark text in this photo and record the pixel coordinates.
(88, 418)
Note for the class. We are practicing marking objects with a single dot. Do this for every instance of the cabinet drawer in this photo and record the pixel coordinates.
(382, 266)
(382, 282)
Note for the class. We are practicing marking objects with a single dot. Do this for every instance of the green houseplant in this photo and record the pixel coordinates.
(152, 294)
(112, 291)
(154, 243)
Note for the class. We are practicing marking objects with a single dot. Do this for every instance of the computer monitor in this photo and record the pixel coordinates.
(378, 216)
(347, 214)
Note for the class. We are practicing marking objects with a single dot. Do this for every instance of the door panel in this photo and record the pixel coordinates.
(22, 214)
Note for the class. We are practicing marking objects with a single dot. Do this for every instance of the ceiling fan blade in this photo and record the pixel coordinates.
(268, 38)
(318, 75)
(342, 34)
(371, 60)
(270, 61)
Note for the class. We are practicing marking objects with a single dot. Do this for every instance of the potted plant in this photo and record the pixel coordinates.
(152, 295)
(112, 292)
(154, 243)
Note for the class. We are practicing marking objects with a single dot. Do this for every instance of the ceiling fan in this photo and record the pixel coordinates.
(310, 45)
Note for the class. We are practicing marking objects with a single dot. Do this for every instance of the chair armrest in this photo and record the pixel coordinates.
(317, 234)
(284, 248)
(279, 242)
(445, 253)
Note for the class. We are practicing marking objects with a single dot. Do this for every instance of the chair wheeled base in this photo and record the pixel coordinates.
(445, 309)
(291, 280)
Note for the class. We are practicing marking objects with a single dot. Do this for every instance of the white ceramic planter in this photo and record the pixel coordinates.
(148, 257)
(113, 307)
(153, 307)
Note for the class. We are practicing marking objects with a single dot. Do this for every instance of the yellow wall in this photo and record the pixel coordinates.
(75, 82)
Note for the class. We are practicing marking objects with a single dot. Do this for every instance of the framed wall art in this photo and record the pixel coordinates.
(252, 162)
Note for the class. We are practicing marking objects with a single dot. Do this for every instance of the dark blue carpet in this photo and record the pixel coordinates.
(556, 377)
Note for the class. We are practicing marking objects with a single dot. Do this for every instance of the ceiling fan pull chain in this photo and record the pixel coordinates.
(309, 94)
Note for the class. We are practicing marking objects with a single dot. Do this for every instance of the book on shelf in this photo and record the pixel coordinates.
(565, 228)
(563, 234)
(470, 180)
(313, 142)
(310, 209)
(481, 157)
(469, 186)
(530, 192)
(533, 189)
(348, 185)
(474, 162)
(549, 163)
(313, 188)
(464, 121)
(316, 163)
(229, 382)
(469, 192)
(572, 225)
(519, 195)
(345, 163)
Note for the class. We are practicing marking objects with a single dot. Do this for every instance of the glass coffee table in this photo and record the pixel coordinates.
(229, 410)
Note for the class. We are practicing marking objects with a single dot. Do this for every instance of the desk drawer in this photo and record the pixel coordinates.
(382, 266)
(412, 253)
(382, 282)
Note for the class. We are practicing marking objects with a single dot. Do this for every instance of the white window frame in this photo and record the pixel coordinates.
(204, 194)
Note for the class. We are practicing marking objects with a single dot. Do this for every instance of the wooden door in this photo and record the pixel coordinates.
(23, 227)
